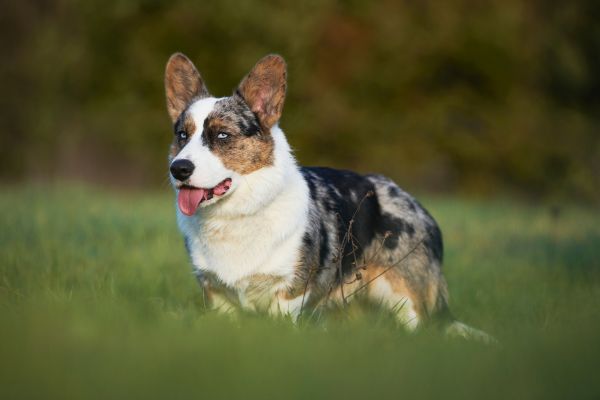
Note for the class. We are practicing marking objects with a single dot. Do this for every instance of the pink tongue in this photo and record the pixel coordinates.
(189, 199)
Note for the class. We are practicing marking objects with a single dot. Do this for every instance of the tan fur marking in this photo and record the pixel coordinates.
(289, 295)
(397, 283)
(189, 125)
(373, 274)
(173, 150)
(427, 297)
(241, 153)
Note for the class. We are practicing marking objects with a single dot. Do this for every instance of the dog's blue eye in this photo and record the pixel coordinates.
(182, 135)
(222, 135)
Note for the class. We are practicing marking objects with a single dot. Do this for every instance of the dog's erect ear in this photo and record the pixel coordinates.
(263, 89)
(183, 84)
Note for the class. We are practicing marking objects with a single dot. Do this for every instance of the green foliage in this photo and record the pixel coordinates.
(443, 96)
(97, 301)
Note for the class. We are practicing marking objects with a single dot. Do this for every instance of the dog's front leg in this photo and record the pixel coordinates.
(217, 297)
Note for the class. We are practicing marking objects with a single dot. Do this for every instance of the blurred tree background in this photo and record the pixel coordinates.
(471, 97)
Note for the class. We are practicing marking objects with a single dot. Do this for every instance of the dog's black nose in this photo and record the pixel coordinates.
(182, 169)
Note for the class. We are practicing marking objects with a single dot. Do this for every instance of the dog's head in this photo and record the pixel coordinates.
(218, 141)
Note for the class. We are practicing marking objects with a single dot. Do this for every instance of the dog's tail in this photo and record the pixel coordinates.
(444, 319)
(440, 314)
(457, 329)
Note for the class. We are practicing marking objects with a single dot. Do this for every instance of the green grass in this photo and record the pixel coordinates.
(97, 301)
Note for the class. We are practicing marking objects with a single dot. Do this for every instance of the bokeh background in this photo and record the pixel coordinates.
(489, 110)
(482, 98)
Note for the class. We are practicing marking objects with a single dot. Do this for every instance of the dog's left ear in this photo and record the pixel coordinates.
(263, 89)
(183, 84)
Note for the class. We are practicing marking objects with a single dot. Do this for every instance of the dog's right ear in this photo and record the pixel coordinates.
(183, 84)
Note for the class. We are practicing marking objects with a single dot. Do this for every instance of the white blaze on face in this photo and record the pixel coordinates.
(209, 170)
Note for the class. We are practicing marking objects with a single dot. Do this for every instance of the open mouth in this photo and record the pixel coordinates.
(190, 198)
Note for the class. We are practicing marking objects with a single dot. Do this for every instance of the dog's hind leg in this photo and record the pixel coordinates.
(387, 287)
(418, 302)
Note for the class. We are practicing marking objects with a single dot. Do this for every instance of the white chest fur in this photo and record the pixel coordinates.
(258, 229)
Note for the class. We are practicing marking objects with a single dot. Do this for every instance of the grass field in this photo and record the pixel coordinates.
(97, 301)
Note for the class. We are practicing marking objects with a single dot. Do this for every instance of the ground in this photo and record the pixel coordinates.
(97, 300)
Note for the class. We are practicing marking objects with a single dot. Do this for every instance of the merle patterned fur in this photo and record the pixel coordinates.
(364, 220)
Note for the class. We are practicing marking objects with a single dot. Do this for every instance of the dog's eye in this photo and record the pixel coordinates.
(181, 135)
(222, 135)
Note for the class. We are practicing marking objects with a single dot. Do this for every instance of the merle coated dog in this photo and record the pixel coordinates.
(265, 234)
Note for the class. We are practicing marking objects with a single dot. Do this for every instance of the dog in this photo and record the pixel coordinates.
(266, 235)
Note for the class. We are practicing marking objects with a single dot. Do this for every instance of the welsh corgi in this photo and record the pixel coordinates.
(264, 234)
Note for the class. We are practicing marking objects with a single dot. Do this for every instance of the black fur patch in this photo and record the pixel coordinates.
(393, 191)
(433, 242)
(323, 245)
(186, 242)
(395, 227)
(353, 215)
(180, 127)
